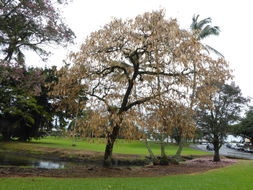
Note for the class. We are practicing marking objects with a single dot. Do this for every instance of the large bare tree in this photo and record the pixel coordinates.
(122, 63)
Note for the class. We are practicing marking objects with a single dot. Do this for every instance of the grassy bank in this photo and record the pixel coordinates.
(121, 146)
(236, 177)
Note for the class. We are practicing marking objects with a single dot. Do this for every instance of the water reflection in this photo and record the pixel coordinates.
(10, 159)
(49, 165)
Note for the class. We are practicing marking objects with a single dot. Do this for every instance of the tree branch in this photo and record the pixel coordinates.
(134, 58)
(138, 102)
(141, 101)
(96, 96)
(165, 74)
(112, 69)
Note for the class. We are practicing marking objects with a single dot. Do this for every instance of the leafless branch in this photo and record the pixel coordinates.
(165, 73)
(111, 69)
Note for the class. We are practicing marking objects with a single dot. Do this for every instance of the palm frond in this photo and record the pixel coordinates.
(203, 29)
(194, 22)
(203, 22)
(209, 48)
(198, 25)
(208, 31)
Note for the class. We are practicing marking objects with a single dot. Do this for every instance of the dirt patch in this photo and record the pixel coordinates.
(198, 165)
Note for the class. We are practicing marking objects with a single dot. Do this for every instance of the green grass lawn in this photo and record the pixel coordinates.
(236, 177)
(121, 146)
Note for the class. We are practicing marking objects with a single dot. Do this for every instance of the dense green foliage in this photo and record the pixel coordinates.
(245, 127)
(230, 178)
(25, 106)
(25, 110)
(215, 119)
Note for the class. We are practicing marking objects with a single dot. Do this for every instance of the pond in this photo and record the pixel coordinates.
(12, 159)
(17, 159)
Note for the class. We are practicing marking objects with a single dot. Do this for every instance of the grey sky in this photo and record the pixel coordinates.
(234, 17)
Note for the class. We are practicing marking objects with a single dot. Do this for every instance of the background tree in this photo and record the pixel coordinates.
(215, 118)
(165, 118)
(69, 98)
(202, 29)
(24, 108)
(245, 127)
(121, 63)
(29, 25)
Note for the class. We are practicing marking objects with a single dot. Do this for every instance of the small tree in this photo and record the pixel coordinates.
(215, 117)
(166, 117)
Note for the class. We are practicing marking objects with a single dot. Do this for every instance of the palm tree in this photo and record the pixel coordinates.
(203, 29)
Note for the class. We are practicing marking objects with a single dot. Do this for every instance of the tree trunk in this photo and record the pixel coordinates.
(216, 156)
(151, 154)
(108, 152)
(164, 159)
(10, 51)
(6, 136)
(109, 146)
(162, 146)
(6, 131)
(251, 141)
(180, 148)
(163, 154)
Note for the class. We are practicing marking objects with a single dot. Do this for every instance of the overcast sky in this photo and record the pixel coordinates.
(234, 17)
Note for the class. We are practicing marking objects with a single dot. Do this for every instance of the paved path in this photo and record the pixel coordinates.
(226, 152)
